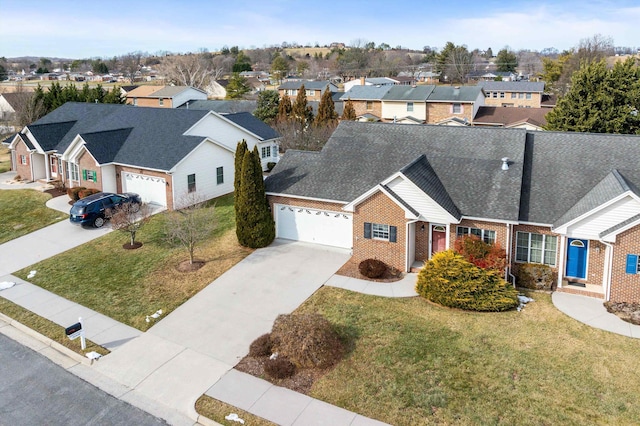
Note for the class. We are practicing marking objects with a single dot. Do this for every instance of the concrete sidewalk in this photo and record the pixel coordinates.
(99, 328)
(592, 312)
(406, 287)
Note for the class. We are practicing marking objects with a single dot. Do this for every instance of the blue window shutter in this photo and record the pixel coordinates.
(367, 230)
(632, 264)
(393, 234)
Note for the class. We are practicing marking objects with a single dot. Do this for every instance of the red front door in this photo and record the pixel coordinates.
(438, 238)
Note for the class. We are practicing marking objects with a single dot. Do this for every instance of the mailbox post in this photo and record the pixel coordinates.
(76, 330)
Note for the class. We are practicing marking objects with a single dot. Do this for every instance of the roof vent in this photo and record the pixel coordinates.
(505, 163)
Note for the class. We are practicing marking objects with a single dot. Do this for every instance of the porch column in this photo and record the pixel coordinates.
(47, 166)
(561, 260)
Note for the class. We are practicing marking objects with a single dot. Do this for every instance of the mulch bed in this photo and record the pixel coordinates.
(129, 246)
(55, 192)
(301, 381)
(629, 312)
(350, 269)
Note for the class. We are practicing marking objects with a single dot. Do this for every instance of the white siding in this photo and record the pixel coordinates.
(614, 214)
(203, 162)
(399, 110)
(188, 95)
(429, 210)
(38, 166)
(109, 178)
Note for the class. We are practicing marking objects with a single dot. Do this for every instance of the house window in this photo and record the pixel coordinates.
(161, 101)
(89, 175)
(520, 95)
(266, 151)
(191, 183)
(494, 94)
(457, 108)
(502, 95)
(369, 106)
(310, 92)
(485, 235)
(292, 92)
(409, 106)
(536, 248)
(528, 95)
(514, 95)
(379, 231)
(73, 171)
(220, 175)
(633, 264)
(23, 160)
(274, 151)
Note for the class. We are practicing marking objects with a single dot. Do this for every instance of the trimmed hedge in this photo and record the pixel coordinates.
(450, 280)
(535, 276)
(74, 193)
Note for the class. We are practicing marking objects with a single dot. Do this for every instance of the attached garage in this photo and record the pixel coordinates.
(314, 226)
(152, 189)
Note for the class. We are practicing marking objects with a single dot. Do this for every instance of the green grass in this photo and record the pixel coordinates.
(128, 285)
(5, 159)
(217, 410)
(47, 328)
(415, 363)
(23, 211)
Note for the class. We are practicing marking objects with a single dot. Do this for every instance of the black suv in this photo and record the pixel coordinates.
(90, 211)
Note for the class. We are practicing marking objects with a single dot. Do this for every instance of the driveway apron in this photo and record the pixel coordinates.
(179, 358)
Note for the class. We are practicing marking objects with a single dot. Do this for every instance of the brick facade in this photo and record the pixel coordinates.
(22, 170)
(625, 287)
(422, 241)
(360, 107)
(534, 102)
(379, 209)
(438, 111)
(536, 230)
(87, 163)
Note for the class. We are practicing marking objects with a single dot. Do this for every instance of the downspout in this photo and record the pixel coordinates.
(507, 272)
(406, 246)
(607, 270)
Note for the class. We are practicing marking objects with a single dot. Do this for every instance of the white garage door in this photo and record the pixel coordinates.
(314, 226)
(150, 188)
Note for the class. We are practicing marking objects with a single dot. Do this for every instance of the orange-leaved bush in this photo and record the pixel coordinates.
(480, 253)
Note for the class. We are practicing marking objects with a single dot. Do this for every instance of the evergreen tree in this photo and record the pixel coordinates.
(506, 61)
(255, 227)
(326, 111)
(241, 148)
(268, 105)
(279, 67)
(300, 111)
(600, 100)
(237, 87)
(349, 112)
(284, 109)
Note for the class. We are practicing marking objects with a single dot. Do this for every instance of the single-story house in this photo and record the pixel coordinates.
(402, 193)
(522, 118)
(163, 96)
(161, 154)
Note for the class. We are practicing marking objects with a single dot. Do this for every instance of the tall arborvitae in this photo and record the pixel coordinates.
(284, 109)
(326, 111)
(255, 227)
(300, 111)
(241, 148)
(349, 112)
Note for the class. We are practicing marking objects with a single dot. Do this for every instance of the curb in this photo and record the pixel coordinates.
(46, 340)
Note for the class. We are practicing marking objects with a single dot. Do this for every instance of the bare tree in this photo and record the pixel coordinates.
(130, 65)
(311, 138)
(190, 224)
(129, 218)
(195, 70)
(28, 108)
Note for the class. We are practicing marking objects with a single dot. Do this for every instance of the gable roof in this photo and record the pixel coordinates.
(408, 93)
(308, 85)
(455, 94)
(171, 91)
(366, 93)
(359, 156)
(253, 124)
(507, 116)
(512, 86)
(222, 106)
(104, 146)
(48, 135)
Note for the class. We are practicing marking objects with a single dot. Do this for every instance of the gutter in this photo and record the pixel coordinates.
(507, 272)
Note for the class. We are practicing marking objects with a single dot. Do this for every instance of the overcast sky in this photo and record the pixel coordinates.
(105, 29)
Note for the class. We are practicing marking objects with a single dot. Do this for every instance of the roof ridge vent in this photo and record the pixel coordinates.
(505, 163)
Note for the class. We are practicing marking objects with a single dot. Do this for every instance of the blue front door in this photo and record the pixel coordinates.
(577, 258)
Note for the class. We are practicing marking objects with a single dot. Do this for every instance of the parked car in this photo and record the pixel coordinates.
(91, 210)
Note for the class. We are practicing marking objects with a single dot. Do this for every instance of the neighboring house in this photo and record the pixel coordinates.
(313, 89)
(217, 89)
(402, 193)
(520, 118)
(230, 106)
(492, 75)
(378, 81)
(10, 103)
(163, 96)
(161, 154)
(416, 104)
(523, 94)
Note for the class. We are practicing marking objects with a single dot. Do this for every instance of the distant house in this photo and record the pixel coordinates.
(163, 96)
(313, 89)
(523, 94)
(519, 118)
(378, 81)
(230, 106)
(492, 75)
(10, 103)
(160, 153)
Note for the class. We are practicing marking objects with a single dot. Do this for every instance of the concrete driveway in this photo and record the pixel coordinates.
(179, 358)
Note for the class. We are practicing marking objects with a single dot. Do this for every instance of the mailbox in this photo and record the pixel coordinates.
(73, 329)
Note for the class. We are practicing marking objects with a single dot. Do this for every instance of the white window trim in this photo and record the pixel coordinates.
(380, 231)
(483, 233)
(23, 159)
(543, 248)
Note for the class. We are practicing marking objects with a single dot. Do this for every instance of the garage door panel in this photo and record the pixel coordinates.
(314, 226)
(150, 188)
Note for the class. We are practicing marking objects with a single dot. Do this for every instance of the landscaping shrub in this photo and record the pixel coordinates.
(73, 193)
(450, 280)
(279, 368)
(481, 254)
(86, 192)
(261, 346)
(372, 268)
(270, 165)
(308, 340)
(535, 276)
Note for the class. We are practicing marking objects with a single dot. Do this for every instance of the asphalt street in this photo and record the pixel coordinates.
(35, 391)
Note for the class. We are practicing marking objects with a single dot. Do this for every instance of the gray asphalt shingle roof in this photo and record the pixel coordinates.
(222, 107)
(254, 125)
(408, 93)
(366, 93)
(455, 93)
(308, 85)
(512, 86)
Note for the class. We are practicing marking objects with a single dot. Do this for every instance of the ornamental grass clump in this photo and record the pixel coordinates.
(450, 280)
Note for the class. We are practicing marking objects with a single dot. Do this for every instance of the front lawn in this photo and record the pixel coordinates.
(128, 285)
(417, 363)
(5, 159)
(23, 211)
